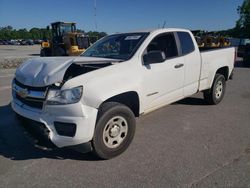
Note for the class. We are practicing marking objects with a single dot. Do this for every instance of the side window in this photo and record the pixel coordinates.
(165, 43)
(186, 42)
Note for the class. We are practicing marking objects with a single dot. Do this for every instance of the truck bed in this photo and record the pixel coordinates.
(203, 49)
(212, 60)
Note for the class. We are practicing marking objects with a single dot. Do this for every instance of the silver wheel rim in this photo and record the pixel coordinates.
(218, 89)
(115, 131)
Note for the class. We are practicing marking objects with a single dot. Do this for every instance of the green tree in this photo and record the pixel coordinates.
(23, 34)
(38, 33)
(35, 33)
(6, 32)
(96, 34)
(243, 24)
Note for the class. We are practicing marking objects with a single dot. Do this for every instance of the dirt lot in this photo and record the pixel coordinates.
(10, 51)
(12, 56)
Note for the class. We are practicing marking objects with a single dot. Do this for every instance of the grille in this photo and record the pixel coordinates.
(31, 101)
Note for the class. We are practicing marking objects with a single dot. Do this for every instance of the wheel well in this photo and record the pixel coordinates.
(130, 99)
(224, 71)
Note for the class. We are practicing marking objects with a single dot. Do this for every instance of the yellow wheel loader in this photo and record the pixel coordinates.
(66, 41)
(223, 42)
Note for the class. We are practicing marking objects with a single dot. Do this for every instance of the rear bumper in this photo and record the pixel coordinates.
(82, 116)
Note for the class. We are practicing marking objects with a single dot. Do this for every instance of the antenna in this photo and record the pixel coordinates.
(95, 15)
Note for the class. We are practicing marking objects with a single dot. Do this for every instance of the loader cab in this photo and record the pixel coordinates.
(59, 29)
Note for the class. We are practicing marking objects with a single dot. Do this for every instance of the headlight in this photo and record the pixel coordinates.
(67, 96)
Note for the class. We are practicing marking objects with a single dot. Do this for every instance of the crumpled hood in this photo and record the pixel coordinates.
(43, 71)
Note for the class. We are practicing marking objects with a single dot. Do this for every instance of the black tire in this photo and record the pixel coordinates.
(216, 93)
(43, 53)
(108, 128)
(59, 51)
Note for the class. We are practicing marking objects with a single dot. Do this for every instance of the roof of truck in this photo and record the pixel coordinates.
(155, 30)
(162, 29)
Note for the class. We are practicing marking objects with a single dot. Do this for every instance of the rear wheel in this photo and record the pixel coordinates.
(216, 93)
(114, 131)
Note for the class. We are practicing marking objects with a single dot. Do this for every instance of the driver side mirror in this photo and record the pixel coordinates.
(154, 57)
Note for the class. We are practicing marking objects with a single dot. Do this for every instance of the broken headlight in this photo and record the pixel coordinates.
(67, 96)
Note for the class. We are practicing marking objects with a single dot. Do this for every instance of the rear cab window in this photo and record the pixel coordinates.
(186, 43)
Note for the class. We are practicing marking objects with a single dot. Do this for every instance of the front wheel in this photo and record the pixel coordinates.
(59, 51)
(114, 131)
(45, 52)
(217, 91)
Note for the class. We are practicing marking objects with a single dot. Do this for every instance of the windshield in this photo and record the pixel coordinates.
(118, 46)
(61, 29)
(65, 28)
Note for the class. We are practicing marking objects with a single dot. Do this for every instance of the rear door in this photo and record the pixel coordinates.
(163, 82)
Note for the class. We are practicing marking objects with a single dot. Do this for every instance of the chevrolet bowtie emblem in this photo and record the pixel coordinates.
(23, 93)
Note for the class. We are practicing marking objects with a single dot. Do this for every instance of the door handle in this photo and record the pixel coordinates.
(178, 65)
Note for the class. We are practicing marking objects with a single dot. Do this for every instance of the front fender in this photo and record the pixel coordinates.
(102, 84)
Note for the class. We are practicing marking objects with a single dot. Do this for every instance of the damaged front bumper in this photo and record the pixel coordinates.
(69, 125)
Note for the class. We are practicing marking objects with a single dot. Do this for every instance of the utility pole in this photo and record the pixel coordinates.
(95, 15)
(164, 24)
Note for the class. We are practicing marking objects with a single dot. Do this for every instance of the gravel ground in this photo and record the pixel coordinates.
(11, 51)
(12, 56)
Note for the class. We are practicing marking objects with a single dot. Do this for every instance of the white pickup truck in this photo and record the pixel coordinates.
(90, 102)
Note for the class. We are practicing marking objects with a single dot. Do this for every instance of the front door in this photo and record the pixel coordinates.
(163, 82)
